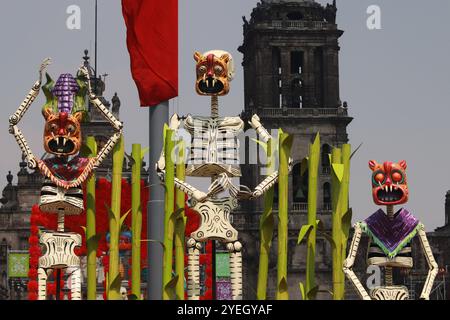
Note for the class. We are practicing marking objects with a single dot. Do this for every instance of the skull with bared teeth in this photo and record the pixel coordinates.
(214, 70)
(389, 183)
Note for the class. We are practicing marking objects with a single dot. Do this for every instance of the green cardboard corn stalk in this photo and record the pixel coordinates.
(91, 239)
(115, 222)
(136, 220)
(285, 145)
(169, 223)
(180, 225)
(341, 215)
(266, 226)
(309, 231)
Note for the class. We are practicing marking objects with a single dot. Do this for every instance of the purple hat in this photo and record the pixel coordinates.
(64, 90)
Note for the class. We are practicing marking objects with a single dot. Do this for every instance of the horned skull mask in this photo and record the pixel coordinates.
(215, 70)
(389, 183)
(62, 132)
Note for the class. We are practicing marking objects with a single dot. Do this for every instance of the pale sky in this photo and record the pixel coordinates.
(396, 80)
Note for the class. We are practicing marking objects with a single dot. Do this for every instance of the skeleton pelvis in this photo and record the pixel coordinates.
(390, 293)
(215, 220)
(55, 199)
(58, 250)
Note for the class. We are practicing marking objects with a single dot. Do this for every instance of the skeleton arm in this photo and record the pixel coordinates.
(116, 124)
(431, 264)
(15, 118)
(31, 160)
(348, 264)
(269, 181)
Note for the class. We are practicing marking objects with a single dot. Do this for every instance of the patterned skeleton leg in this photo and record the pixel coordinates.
(431, 264)
(193, 283)
(75, 285)
(348, 264)
(236, 269)
(42, 283)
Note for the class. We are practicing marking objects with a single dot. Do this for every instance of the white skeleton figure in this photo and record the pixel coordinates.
(390, 236)
(214, 154)
(59, 195)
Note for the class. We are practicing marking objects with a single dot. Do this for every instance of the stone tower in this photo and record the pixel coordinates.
(291, 80)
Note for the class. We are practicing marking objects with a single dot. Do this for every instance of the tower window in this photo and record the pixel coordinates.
(326, 192)
(326, 150)
(297, 93)
(300, 184)
(296, 62)
(295, 15)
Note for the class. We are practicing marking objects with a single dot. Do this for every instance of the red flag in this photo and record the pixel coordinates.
(152, 40)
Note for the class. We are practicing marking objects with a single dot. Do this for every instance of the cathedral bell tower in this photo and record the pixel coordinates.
(291, 80)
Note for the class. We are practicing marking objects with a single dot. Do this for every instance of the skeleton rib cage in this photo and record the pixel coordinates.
(214, 146)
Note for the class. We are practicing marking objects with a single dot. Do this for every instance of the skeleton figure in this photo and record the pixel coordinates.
(65, 170)
(214, 154)
(390, 235)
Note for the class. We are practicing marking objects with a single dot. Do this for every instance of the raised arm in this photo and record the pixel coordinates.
(116, 124)
(432, 265)
(15, 118)
(270, 180)
(348, 264)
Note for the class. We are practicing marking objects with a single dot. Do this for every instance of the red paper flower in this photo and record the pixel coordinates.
(32, 274)
(33, 240)
(32, 296)
(32, 285)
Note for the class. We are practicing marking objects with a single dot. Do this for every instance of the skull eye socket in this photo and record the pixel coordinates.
(218, 69)
(202, 69)
(52, 127)
(70, 128)
(378, 178)
(397, 176)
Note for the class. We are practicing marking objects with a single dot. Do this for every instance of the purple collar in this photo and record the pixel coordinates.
(391, 235)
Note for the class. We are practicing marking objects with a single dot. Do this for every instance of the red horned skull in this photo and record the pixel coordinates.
(389, 183)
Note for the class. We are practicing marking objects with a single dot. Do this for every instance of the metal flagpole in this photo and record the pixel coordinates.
(158, 115)
(96, 23)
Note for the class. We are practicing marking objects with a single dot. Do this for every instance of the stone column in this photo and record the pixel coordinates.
(331, 76)
(309, 78)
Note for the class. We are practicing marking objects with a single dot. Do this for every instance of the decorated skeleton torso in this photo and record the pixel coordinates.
(214, 146)
(390, 239)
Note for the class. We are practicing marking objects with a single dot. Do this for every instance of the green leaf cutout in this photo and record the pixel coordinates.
(304, 232)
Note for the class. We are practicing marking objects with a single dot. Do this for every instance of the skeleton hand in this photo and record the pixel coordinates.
(83, 70)
(241, 192)
(258, 127)
(31, 162)
(219, 185)
(255, 122)
(199, 196)
(44, 65)
(174, 122)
